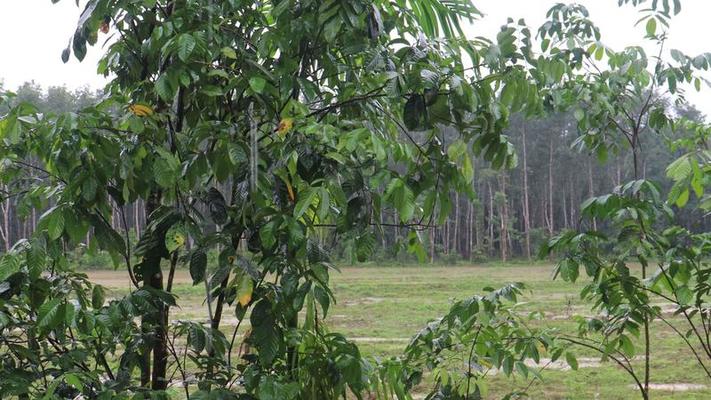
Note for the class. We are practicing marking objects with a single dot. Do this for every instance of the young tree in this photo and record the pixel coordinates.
(281, 119)
(617, 108)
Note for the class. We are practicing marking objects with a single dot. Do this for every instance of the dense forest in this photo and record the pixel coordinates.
(507, 214)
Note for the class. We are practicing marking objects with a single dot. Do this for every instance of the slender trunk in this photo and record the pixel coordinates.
(383, 242)
(551, 224)
(34, 220)
(478, 225)
(647, 340)
(6, 222)
(445, 237)
(470, 230)
(396, 221)
(503, 214)
(433, 233)
(491, 220)
(455, 236)
(525, 206)
(565, 210)
(572, 203)
(591, 188)
(137, 218)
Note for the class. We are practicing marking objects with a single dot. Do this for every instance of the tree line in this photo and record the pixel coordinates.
(508, 213)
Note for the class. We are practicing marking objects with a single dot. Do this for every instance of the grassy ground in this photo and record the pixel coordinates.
(382, 307)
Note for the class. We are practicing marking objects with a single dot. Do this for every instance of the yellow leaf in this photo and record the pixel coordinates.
(291, 191)
(141, 110)
(285, 126)
(244, 290)
(179, 239)
(175, 238)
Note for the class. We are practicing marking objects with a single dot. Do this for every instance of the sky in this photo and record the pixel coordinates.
(34, 33)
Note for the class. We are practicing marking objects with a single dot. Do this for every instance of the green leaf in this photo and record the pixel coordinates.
(324, 204)
(685, 295)
(332, 28)
(9, 264)
(186, 45)
(414, 112)
(571, 360)
(683, 198)
(198, 265)
(175, 237)
(508, 365)
(97, 297)
(323, 299)
(271, 389)
(456, 150)
(164, 88)
(54, 221)
(237, 154)
(627, 345)
(365, 245)
(257, 83)
(50, 314)
(267, 234)
(402, 198)
(266, 335)
(74, 380)
(579, 114)
(599, 52)
(229, 53)
(467, 169)
(197, 337)
(306, 198)
(651, 26)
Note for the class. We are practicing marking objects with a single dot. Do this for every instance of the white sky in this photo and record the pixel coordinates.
(34, 33)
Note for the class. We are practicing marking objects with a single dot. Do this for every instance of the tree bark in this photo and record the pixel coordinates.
(154, 324)
(455, 236)
(503, 214)
(591, 189)
(491, 220)
(551, 222)
(526, 209)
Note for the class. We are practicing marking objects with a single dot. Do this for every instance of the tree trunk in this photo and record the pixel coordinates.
(591, 189)
(137, 218)
(433, 233)
(154, 324)
(455, 236)
(504, 229)
(470, 230)
(5, 206)
(565, 210)
(491, 220)
(526, 209)
(551, 222)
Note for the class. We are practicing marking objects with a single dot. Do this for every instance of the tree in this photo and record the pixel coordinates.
(250, 129)
(616, 109)
(314, 116)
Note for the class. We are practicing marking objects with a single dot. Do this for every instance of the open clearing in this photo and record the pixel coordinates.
(382, 307)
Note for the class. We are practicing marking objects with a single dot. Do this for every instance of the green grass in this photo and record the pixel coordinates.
(392, 303)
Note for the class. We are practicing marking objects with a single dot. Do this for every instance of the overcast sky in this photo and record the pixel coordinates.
(34, 32)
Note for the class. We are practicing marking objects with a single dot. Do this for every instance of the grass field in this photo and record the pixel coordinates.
(382, 307)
